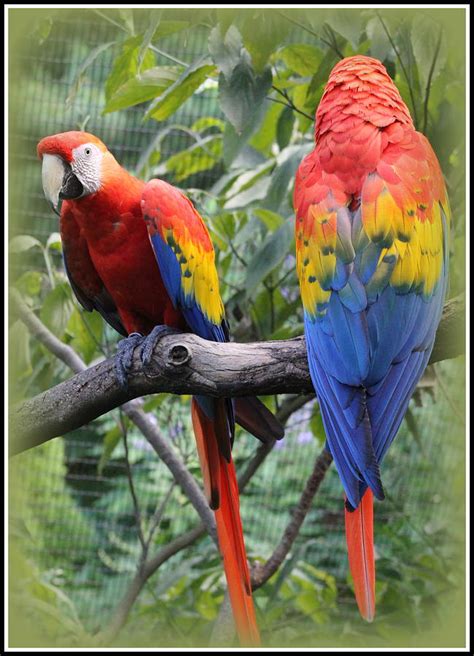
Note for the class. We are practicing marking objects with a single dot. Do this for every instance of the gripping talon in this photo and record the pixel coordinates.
(124, 357)
(150, 341)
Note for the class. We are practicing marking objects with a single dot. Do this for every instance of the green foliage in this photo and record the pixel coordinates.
(241, 91)
(131, 61)
(57, 309)
(201, 156)
(186, 84)
(263, 73)
(271, 253)
(141, 87)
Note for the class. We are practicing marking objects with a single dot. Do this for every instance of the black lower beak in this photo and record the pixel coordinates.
(55, 210)
(71, 188)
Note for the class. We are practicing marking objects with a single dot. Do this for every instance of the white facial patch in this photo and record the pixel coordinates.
(52, 173)
(87, 166)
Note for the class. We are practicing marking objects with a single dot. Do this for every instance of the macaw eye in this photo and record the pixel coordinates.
(87, 151)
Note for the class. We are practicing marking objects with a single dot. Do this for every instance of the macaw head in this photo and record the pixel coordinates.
(73, 165)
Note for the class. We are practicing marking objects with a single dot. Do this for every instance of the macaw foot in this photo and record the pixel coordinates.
(151, 340)
(146, 343)
(123, 359)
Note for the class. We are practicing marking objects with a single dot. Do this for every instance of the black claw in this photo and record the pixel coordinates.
(124, 357)
(149, 343)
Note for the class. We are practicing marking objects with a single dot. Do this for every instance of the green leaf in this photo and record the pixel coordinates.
(154, 18)
(199, 157)
(175, 95)
(243, 93)
(320, 77)
(264, 137)
(57, 308)
(257, 191)
(86, 329)
(301, 58)
(287, 162)
(19, 346)
(380, 46)
(23, 243)
(248, 178)
(249, 186)
(54, 242)
(269, 256)
(270, 219)
(425, 34)
(207, 605)
(347, 23)
(111, 439)
(316, 424)
(207, 122)
(262, 41)
(167, 27)
(126, 65)
(30, 283)
(225, 17)
(78, 80)
(127, 18)
(226, 52)
(42, 30)
(143, 87)
(236, 144)
(285, 124)
(308, 602)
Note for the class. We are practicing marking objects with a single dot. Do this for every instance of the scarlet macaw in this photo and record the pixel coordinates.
(372, 226)
(141, 255)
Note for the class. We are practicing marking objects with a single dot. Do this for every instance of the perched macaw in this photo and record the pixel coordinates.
(372, 227)
(141, 255)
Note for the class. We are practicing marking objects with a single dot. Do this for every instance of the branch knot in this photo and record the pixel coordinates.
(179, 354)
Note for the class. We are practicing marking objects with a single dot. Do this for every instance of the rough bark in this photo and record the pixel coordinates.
(187, 364)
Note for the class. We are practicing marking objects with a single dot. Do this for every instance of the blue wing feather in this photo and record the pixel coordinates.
(170, 258)
(170, 270)
(366, 355)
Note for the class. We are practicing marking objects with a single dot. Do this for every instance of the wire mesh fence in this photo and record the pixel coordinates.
(82, 523)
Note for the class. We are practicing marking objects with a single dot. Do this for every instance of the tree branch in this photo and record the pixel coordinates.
(29, 436)
(289, 103)
(288, 407)
(141, 577)
(261, 573)
(333, 45)
(182, 364)
(148, 564)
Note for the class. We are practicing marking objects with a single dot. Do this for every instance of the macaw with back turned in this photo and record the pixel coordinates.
(141, 255)
(372, 227)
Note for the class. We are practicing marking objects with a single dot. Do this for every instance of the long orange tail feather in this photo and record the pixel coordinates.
(360, 547)
(220, 484)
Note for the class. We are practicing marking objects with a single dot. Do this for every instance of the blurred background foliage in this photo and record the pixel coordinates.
(221, 102)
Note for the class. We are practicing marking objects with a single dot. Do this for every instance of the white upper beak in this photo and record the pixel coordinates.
(53, 175)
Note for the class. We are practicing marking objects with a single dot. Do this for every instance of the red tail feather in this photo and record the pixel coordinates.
(360, 547)
(221, 487)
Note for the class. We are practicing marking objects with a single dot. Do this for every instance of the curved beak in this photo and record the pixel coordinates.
(53, 171)
(59, 182)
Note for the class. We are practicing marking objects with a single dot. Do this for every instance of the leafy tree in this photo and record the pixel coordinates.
(263, 72)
